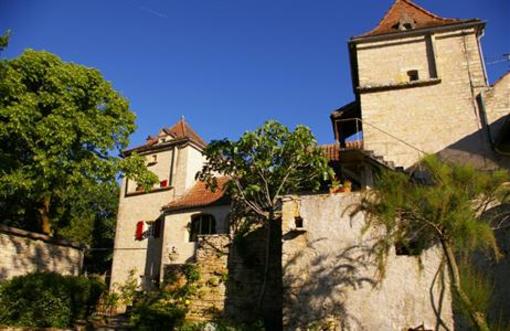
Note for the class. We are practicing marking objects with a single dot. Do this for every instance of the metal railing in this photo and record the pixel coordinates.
(354, 140)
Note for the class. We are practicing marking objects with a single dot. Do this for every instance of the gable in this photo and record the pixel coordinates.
(404, 15)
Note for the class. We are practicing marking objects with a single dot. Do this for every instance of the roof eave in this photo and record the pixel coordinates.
(218, 203)
(163, 146)
(479, 24)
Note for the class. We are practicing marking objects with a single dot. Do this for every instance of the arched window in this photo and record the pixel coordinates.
(201, 224)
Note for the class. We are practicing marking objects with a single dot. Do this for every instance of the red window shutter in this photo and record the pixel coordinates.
(139, 230)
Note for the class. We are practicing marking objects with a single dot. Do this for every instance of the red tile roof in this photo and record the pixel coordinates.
(180, 130)
(200, 196)
(408, 11)
(331, 151)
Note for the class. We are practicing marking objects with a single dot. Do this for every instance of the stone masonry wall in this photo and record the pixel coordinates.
(246, 271)
(231, 277)
(23, 252)
(211, 258)
(431, 118)
(329, 277)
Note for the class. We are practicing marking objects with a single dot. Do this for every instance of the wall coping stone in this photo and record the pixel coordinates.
(39, 236)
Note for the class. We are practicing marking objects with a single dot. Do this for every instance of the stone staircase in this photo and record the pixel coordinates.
(380, 159)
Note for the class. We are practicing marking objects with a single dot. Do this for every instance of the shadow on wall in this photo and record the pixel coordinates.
(246, 270)
(498, 272)
(154, 253)
(21, 254)
(477, 150)
(317, 293)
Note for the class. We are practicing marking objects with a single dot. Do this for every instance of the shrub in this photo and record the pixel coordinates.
(156, 311)
(47, 299)
(221, 324)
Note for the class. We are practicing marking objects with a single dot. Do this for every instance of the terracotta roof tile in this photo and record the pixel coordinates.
(199, 196)
(180, 130)
(406, 11)
(331, 151)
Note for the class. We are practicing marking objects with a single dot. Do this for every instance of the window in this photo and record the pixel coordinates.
(298, 222)
(407, 26)
(413, 75)
(152, 159)
(201, 224)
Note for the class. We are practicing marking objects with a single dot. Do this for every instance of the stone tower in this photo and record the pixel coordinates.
(174, 155)
(420, 81)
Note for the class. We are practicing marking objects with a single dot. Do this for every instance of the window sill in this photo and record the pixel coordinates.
(397, 86)
(155, 190)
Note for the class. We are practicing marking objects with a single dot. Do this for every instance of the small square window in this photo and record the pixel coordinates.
(413, 75)
(152, 160)
(298, 222)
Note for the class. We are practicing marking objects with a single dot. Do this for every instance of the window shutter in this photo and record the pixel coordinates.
(139, 230)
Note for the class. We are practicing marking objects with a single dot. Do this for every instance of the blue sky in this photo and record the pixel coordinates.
(226, 65)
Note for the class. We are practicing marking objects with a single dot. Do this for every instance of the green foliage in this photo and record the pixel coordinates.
(444, 204)
(4, 40)
(157, 311)
(62, 126)
(191, 272)
(265, 164)
(166, 308)
(129, 289)
(440, 205)
(476, 285)
(47, 300)
(108, 303)
(220, 324)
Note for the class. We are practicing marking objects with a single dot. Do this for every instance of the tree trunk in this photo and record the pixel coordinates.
(44, 215)
(262, 292)
(477, 317)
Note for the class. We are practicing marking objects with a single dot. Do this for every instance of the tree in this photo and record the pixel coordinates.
(62, 126)
(262, 166)
(442, 207)
(4, 40)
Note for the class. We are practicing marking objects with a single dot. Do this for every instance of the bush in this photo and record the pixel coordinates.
(221, 324)
(157, 311)
(47, 299)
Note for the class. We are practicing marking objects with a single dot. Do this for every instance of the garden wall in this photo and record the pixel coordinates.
(22, 252)
(330, 277)
(231, 277)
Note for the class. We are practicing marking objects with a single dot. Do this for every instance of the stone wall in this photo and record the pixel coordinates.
(246, 271)
(176, 247)
(330, 277)
(231, 276)
(23, 252)
(432, 116)
(211, 258)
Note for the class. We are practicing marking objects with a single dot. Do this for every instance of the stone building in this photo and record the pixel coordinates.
(161, 226)
(420, 87)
